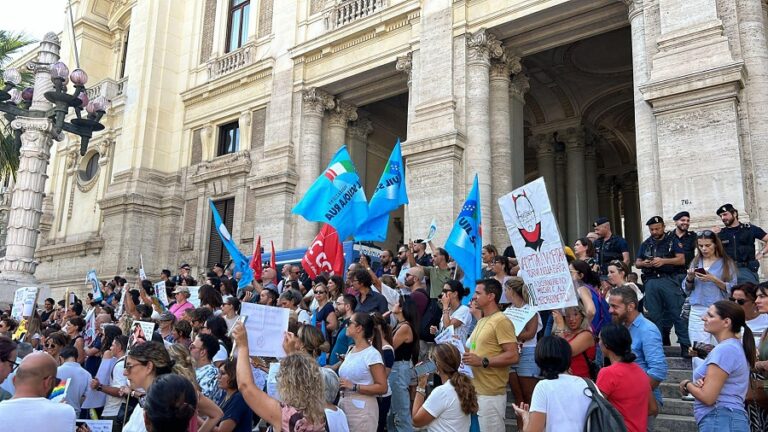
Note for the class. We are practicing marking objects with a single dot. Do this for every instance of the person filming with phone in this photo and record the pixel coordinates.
(710, 277)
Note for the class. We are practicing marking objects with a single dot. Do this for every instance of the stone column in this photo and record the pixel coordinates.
(590, 174)
(358, 132)
(481, 46)
(618, 197)
(19, 265)
(501, 151)
(604, 198)
(404, 64)
(577, 188)
(545, 158)
(338, 118)
(633, 232)
(517, 91)
(561, 180)
(315, 102)
(646, 143)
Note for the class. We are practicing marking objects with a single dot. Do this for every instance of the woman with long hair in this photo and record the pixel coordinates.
(308, 340)
(450, 405)
(324, 316)
(710, 277)
(170, 404)
(455, 313)
(406, 345)
(362, 374)
(559, 402)
(575, 328)
(299, 384)
(501, 268)
(74, 329)
(237, 416)
(291, 299)
(523, 375)
(34, 331)
(621, 382)
(487, 254)
(585, 251)
(335, 286)
(388, 356)
(8, 362)
(210, 297)
(721, 382)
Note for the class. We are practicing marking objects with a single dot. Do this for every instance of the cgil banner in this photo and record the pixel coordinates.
(535, 236)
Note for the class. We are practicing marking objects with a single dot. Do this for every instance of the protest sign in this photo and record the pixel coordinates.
(194, 297)
(89, 332)
(161, 293)
(24, 302)
(141, 332)
(94, 285)
(519, 316)
(535, 236)
(60, 391)
(448, 336)
(272, 380)
(432, 231)
(265, 327)
(96, 425)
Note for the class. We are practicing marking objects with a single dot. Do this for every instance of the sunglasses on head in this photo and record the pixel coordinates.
(706, 233)
(740, 302)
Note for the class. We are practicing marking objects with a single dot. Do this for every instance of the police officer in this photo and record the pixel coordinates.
(686, 238)
(662, 262)
(608, 247)
(739, 243)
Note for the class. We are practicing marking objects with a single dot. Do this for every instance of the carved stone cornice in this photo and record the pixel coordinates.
(634, 7)
(341, 114)
(91, 246)
(543, 145)
(405, 64)
(361, 128)
(504, 65)
(223, 166)
(482, 45)
(519, 86)
(316, 101)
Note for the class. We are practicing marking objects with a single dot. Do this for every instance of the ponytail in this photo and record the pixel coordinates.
(748, 343)
(466, 392)
(727, 309)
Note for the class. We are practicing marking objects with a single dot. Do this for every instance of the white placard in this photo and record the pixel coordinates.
(272, 380)
(24, 303)
(448, 336)
(161, 293)
(89, 332)
(266, 327)
(193, 296)
(141, 331)
(432, 232)
(94, 284)
(535, 236)
(520, 316)
(97, 425)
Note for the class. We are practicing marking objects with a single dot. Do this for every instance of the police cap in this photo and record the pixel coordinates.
(725, 208)
(681, 215)
(655, 220)
(601, 220)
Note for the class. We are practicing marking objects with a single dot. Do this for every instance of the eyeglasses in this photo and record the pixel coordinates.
(14, 364)
(616, 263)
(50, 345)
(739, 301)
(128, 367)
(705, 233)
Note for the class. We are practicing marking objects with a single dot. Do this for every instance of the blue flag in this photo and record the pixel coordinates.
(465, 242)
(336, 197)
(240, 260)
(389, 195)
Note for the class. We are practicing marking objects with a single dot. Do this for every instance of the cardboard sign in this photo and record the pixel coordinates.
(24, 302)
(520, 316)
(535, 236)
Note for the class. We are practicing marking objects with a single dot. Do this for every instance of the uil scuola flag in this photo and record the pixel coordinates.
(240, 260)
(389, 195)
(336, 197)
(465, 242)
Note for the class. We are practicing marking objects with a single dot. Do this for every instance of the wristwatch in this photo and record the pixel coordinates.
(354, 388)
(99, 387)
(485, 362)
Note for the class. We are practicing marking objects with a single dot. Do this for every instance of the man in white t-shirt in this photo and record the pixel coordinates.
(30, 410)
(117, 388)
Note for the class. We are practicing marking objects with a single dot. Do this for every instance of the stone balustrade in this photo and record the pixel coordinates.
(231, 62)
(348, 11)
(108, 88)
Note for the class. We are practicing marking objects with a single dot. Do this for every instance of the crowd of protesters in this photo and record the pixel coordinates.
(361, 351)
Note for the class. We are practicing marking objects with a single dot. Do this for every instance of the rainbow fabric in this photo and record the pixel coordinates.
(59, 391)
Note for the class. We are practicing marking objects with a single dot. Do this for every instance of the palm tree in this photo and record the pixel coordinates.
(10, 43)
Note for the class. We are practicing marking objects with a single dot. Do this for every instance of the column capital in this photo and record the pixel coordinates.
(543, 145)
(361, 128)
(604, 185)
(519, 86)
(316, 100)
(590, 151)
(504, 64)
(574, 139)
(405, 64)
(482, 45)
(634, 7)
(342, 113)
(559, 158)
(629, 181)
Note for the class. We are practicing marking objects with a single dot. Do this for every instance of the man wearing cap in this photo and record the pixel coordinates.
(181, 295)
(183, 273)
(662, 261)
(608, 247)
(739, 243)
(165, 321)
(687, 239)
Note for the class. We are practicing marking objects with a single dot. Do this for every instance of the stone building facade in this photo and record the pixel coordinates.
(628, 109)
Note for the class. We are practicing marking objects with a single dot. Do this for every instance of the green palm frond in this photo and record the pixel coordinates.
(10, 43)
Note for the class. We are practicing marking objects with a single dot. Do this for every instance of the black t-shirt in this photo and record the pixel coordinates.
(237, 410)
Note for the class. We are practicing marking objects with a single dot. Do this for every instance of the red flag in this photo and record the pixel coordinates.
(273, 260)
(256, 263)
(325, 254)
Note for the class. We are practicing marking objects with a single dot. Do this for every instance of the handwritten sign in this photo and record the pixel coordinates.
(266, 327)
(520, 316)
(535, 236)
(97, 425)
(161, 293)
(23, 302)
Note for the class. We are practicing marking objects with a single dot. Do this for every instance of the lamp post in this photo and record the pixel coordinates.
(37, 116)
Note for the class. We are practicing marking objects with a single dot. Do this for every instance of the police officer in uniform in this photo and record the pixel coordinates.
(608, 247)
(662, 262)
(686, 238)
(739, 243)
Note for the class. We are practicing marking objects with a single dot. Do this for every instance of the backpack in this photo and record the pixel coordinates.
(601, 415)
(431, 318)
(602, 313)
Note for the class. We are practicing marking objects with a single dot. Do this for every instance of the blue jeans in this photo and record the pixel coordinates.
(724, 419)
(399, 418)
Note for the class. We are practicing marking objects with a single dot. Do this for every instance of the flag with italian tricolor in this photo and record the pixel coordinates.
(336, 197)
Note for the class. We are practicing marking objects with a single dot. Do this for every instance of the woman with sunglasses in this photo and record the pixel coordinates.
(454, 313)
(500, 267)
(324, 317)
(55, 342)
(710, 277)
(745, 295)
(7, 362)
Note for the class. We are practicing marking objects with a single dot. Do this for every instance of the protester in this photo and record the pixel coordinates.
(487, 254)
(181, 294)
(745, 295)
(34, 381)
(575, 328)
(492, 349)
(368, 300)
(621, 382)
(758, 395)
(8, 362)
(74, 330)
(237, 416)
(298, 383)
(584, 250)
(455, 314)
(449, 406)
(335, 419)
(182, 331)
(345, 308)
(721, 382)
(324, 317)
(165, 322)
(203, 350)
(559, 402)
(524, 375)
(116, 387)
(290, 299)
(217, 327)
(55, 342)
(170, 405)
(362, 375)
(406, 346)
(381, 326)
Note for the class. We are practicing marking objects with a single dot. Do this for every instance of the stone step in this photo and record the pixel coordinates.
(679, 363)
(677, 407)
(677, 375)
(672, 351)
(670, 390)
(674, 423)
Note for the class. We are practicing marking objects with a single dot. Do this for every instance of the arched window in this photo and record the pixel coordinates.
(91, 167)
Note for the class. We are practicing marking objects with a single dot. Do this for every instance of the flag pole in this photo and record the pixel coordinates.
(408, 222)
